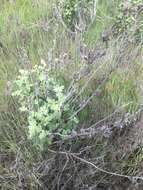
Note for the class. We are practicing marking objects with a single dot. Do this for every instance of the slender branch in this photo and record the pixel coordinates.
(132, 178)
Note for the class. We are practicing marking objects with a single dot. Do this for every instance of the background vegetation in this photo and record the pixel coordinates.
(91, 121)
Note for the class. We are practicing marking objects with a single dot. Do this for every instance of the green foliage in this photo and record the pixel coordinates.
(69, 12)
(127, 17)
(71, 9)
(43, 99)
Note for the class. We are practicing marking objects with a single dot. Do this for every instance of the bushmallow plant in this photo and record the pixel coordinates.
(44, 101)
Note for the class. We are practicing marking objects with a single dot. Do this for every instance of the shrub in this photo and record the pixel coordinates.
(43, 99)
(72, 9)
(129, 15)
(69, 12)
